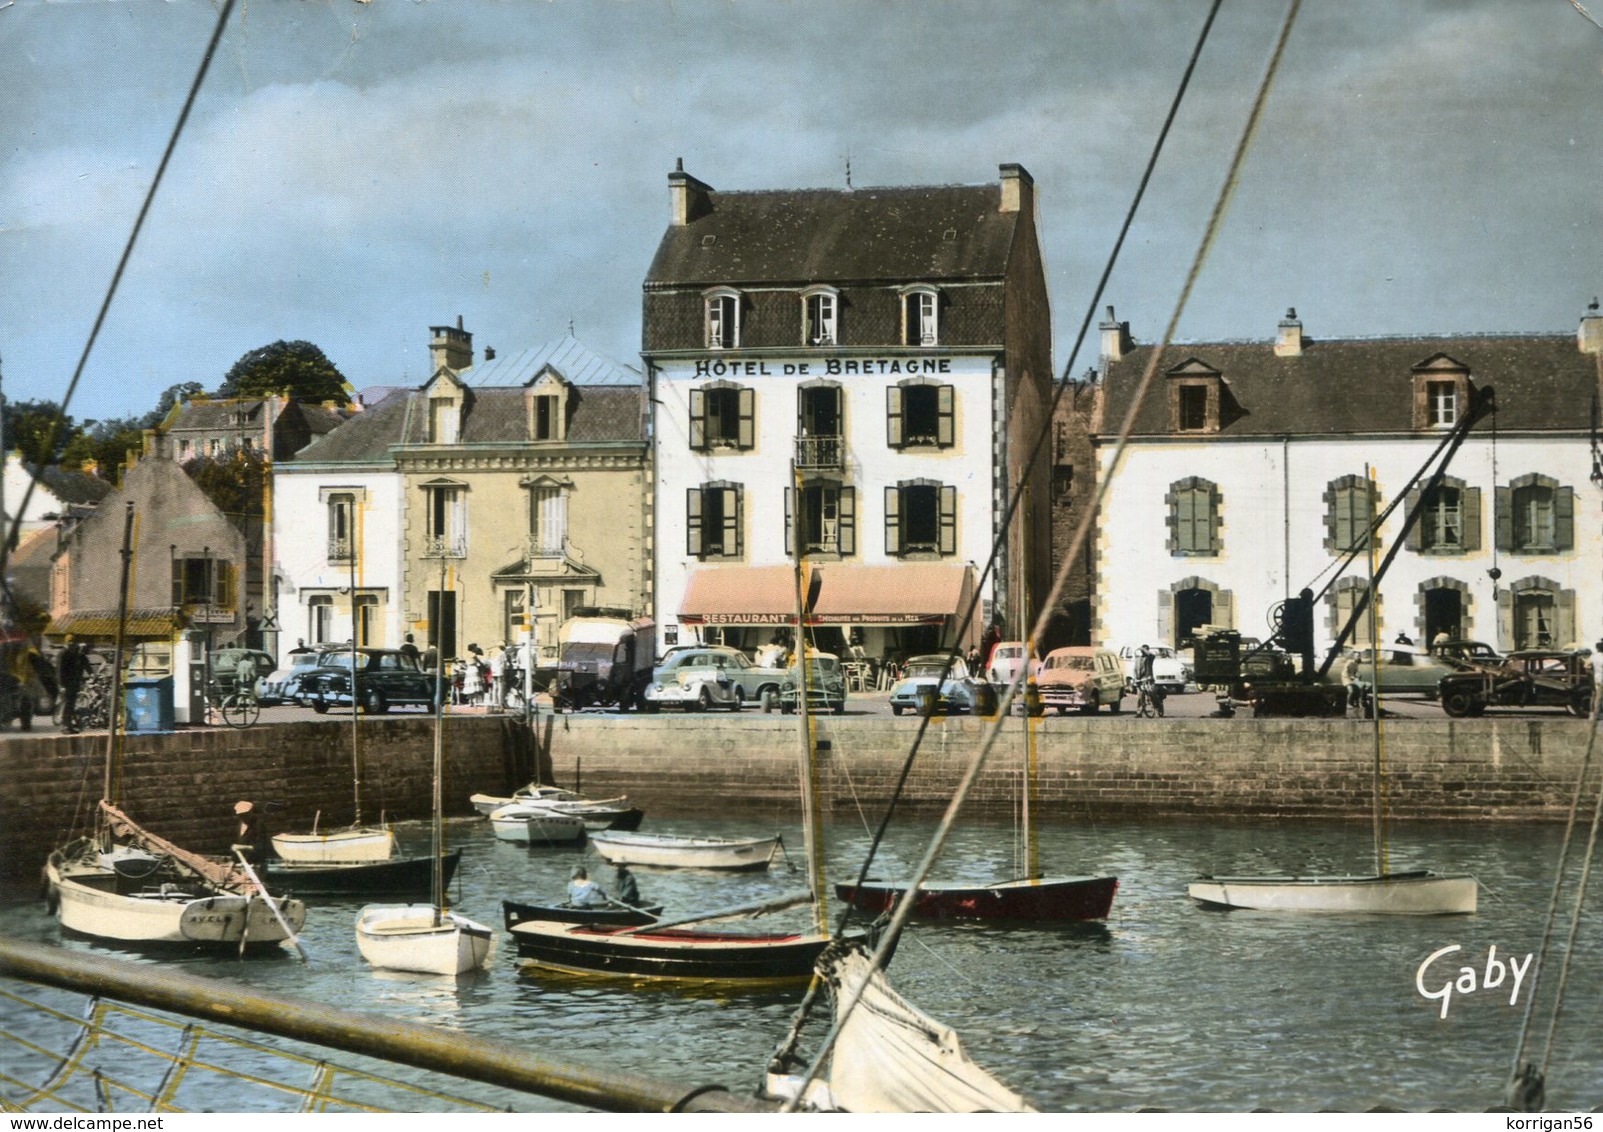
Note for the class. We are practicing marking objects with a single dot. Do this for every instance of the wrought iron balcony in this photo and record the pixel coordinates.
(340, 550)
(547, 546)
(445, 546)
(814, 453)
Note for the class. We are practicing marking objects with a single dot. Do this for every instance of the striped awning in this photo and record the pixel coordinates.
(99, 623)
(913, 593)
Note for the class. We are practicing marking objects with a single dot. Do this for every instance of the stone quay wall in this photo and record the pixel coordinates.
(183, 784)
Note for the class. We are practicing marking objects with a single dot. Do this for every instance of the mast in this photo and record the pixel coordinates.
(438, 800)
(1374, 674)
(812, 834)
(114, 709)
(356, 731)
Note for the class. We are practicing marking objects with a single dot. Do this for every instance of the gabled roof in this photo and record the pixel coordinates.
(69, 486)
(500, 415)
(799, 236)
(576, 362)
(1362, 386)
(365, 438)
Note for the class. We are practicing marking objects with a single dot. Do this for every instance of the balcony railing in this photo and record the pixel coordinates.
(445, 546)
(547, 546)
(814, 453)
(340, 550)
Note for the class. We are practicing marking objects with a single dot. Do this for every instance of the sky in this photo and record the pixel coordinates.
(354, 173)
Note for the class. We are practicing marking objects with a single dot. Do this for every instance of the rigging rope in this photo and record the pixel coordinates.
(904, 907)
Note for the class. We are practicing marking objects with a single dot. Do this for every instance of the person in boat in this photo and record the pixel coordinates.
(250, 838)
(584, 892)
(623, 882)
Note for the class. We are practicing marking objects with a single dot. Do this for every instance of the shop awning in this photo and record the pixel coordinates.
(97, 623)
(913, 593)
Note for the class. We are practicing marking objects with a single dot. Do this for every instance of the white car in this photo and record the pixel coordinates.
(696, 679)
(1170, 672)
(1007, 658)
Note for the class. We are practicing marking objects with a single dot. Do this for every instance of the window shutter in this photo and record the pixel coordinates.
(945, 430)
(178, 583)
(1224, 609)
(847, 515)
(223, 584)
(731, 529)
(1471, 499)
(738, 499)
(1171, 518)
(893, 520)
(1165, 618)
(1564, 634)
(1185, 520)
(1505, 520)
(698, 419)
(840, 411)
(1564, 522)
(801, 417)
(1421, 402)
(948, 542)
(1212, 518)
(693, 521)
(1329, 498)
(748, 413)
(1505, 618)
(893, 416)
(459, 520)
(1416, 540)
(790, 522)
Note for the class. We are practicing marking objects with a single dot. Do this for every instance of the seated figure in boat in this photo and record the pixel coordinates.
(584, 892)
(623, 882)
(251, 837)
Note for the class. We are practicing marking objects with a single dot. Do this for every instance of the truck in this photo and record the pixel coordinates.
(604, 659)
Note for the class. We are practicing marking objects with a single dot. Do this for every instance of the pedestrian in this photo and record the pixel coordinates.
(1352, 681)
(300, 646)
(409, 649)
(245, 675)
(71, 667)
(624, 882)
(431, 658)
(584, 892)
(495, 668)
(973, 660)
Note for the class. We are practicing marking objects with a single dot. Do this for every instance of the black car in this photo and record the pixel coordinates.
(385, 678)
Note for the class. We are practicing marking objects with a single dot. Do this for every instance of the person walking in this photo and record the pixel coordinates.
(71, 667)
(409, 649)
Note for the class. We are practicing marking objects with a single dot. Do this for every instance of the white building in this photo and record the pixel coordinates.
(854, 375)
(1245, 481)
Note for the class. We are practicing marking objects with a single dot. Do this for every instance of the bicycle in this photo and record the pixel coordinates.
(238, 708)
(1147, 701)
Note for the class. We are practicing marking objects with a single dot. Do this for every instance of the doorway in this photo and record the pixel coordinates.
(1444, 613)
(1192, 608)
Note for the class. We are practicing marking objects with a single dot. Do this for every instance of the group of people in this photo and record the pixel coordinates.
(586, 893)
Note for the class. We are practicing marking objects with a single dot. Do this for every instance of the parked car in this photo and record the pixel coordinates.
(385, 678)
(922, 689)
(1464, 654)
(1007, 659)
(1081, 677)
(1403, 670)
(283, 685)
(1528, 678)
(750, 682)
(699, 679)
(826, 684)
(1170, 671)
(225, 667)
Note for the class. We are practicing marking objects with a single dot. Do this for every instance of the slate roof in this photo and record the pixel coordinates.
(70, 486)
(1364, 386)
(365, 438)
(798, 236)
(576, 362)
(596, 413)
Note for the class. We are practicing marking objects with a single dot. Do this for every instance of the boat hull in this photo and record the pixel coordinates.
(403, 876)
(596, 816)
(1035, 900)
(604, 915)
(405, 937)
(344, 846)
(535, 825)
(91, 905)
(1395, 894)
(667, 852)
(673, 953)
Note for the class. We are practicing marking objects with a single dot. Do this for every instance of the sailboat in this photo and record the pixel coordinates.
(127, 885)
(1415, 893)
(427, 939)
(598, 813)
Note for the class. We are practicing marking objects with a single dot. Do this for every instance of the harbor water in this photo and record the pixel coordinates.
(1166, 1005)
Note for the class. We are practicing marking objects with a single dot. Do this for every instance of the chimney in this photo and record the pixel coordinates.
(687, 195)
(1590, 335)
(1018, 188)
(1288, 343)
(1115, 337)
(451, 347)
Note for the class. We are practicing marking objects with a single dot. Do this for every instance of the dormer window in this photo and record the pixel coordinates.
(1193, 407)
(442, 420)
(723, 319)
(1441, 392)
(547, 402)
(921, 316)
(1195, 391)
(819, 313)
(1441, 399)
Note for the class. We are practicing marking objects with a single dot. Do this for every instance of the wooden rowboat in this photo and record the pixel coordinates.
(1037, 899)
(665, 851)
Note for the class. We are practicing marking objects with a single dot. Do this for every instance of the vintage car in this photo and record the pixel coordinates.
(750, 682)
(1080, 677)
(921, 688)
(1465, 654)
(1170, 672)
(225, 667)
(699, 679)
(283, 685)
(1403, 670)
(1007, 659)
(1529, 678)
(385, 678)
(826, 685)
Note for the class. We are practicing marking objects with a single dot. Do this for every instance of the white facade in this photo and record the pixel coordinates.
(759, 464)
(321, 552)
(1273, 531)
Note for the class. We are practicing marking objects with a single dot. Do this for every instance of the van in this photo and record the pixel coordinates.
(1081, 677)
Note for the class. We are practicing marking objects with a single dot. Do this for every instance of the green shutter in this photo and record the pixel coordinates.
(790, 522)
(1505, 617)
(1505, 520)
(945, 428)
(1214, 519)
(893, 520)
(748, 412)
(1416, 541)
(948, 542)
(847, 517)
(893, 416)
(1564, 633)
(698, 419)
(1471, 499)
(693, 522)
(1224, 609)
(1564, 521)
(1165, 618)
(731, 531)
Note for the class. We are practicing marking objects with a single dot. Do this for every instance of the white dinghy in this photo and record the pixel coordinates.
(536, 825)
(1392, 894)
(666, 851)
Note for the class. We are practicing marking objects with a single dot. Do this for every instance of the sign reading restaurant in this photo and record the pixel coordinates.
(754, 618)
(826, 367)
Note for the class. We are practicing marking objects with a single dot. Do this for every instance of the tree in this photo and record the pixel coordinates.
(39, 430)
(233, 481)
(298, 369)
(173, 395)
(105, 444)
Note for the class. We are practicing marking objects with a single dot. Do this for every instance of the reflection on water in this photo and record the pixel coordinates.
(1166, 1005)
